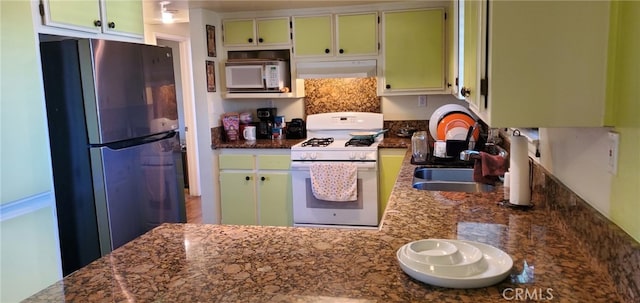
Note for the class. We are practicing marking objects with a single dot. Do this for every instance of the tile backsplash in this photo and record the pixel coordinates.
(341, 95)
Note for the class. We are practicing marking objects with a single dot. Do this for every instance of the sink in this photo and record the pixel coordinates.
(448, 179)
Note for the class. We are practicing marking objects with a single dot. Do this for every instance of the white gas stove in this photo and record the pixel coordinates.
(330, 141)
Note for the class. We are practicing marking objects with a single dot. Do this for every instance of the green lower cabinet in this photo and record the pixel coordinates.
(238, 198)
(275, 200)
(390, 163)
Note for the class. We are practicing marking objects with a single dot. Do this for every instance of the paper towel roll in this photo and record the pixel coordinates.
(519, 191)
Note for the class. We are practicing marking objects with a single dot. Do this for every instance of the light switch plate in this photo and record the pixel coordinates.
(612, 160)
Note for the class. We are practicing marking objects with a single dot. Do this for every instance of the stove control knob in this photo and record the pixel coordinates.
(314, 156)
(352, 156)
(363, 156)
(304, 156)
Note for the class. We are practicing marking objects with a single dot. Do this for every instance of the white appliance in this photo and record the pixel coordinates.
(329, 140)
(256, 75)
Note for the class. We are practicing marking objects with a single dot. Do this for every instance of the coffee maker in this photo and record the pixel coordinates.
(267, 116)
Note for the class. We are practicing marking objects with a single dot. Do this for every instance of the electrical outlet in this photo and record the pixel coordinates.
(422, 101)
(612, 160)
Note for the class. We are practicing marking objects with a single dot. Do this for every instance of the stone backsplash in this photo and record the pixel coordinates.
(341, 95)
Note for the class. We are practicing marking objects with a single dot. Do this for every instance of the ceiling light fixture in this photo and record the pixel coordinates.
(167, 15)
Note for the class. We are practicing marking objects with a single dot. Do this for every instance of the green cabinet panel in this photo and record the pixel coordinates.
(274, 191)
(390, 163)
(255, 187)
(273, 31)
(124, 16)
(238, 32)
(471, 41)
(282, 162)
(252, 32)
(521, 72)
(119, 17)
(414, 50)
(238, 198)
(236, 162)
(313, 35)
(83, 13)
(357, 34)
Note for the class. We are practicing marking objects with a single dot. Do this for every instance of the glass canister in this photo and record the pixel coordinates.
(419, 146)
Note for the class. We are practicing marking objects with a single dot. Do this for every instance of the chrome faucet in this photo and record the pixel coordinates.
(467, 155)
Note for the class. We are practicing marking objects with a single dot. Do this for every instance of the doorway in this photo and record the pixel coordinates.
(184, 96)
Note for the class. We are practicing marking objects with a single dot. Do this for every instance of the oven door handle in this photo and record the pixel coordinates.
(301, 165)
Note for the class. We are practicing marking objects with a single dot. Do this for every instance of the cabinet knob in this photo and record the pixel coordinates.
(263, 178)
(260, 40)
(326, 51)
(465, 92)
(97, 23)
(250, 40)
(341, 51)
(388, 86)
(247, 178)
(448, 84)
(111, 25)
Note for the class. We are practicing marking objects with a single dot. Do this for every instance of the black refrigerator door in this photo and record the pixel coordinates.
(137, 188)
(134, 93)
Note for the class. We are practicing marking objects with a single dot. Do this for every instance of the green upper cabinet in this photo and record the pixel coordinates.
(256, 32)
(79, 15)
(472, 30)
(119, 17)
(123, 17)
(340, 35)
(312, 36)
(357, 34)
(414, 51)
(535, 63)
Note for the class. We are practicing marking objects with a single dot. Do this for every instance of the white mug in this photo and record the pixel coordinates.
(249, 133)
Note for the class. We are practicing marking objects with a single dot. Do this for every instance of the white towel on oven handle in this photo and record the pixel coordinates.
(336, 181)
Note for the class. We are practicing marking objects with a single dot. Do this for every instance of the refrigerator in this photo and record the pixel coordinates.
(115, 149)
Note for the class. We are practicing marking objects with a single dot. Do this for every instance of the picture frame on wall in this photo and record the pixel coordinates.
(211, 40)
(211, 76)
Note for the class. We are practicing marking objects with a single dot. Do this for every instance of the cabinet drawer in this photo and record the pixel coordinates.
(236, 162)
(274, 162)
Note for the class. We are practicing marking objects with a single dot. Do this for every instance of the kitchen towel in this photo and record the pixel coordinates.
(519, 192)
(334, 181)
(487, 169)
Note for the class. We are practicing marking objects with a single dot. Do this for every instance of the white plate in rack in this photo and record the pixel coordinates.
(499, 267)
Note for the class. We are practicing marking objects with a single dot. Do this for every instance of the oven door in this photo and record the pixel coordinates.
(309, 210)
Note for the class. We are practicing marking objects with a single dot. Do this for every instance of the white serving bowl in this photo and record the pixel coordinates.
(470, 261)
(433, 251)
(498, 262)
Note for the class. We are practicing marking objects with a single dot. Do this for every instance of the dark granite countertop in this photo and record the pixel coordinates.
(287, 143)
(220, 263)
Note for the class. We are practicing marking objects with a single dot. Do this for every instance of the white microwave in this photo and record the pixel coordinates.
(257, 76)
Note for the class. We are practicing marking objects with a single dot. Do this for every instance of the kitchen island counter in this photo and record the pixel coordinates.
(218, 263)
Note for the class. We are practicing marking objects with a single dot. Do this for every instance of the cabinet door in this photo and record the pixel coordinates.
(414, 50)
(78, 15)
(471, 33)
(238, 32)
(238, 198)
(390, 163)
(273, 31)
(275, 194)
(357, 34)
(123, 17)
(313, 36)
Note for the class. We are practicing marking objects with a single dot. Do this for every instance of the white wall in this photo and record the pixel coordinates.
(207, 110)
(578, 158)
(406, 107)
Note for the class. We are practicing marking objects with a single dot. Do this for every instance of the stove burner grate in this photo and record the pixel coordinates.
(317, 142)
(359, 142)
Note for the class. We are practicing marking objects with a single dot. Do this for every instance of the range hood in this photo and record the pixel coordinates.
(336, 69)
